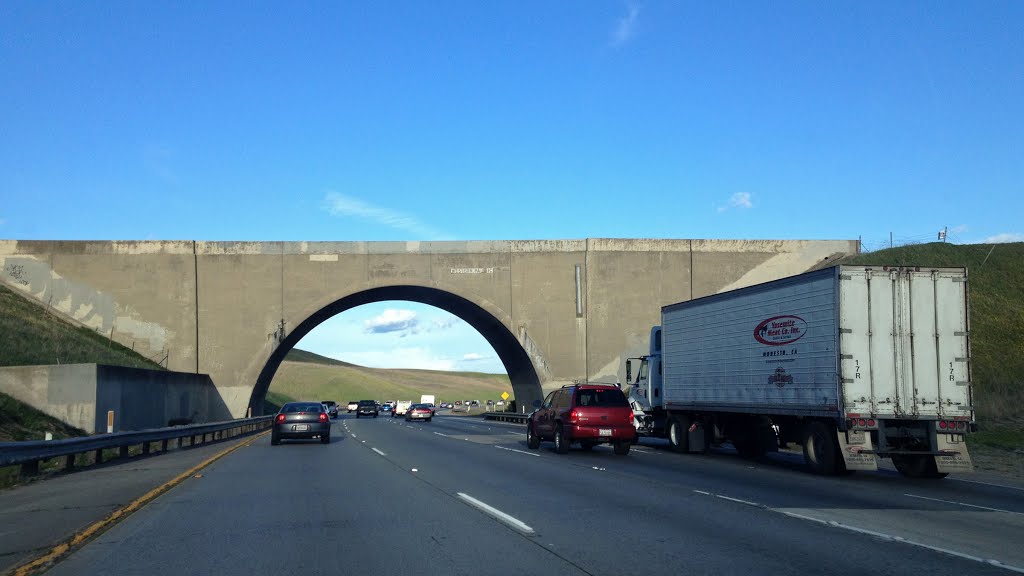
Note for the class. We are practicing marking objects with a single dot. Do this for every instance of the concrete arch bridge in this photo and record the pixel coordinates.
(555, 311)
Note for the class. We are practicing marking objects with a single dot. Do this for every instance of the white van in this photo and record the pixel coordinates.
(401, 407)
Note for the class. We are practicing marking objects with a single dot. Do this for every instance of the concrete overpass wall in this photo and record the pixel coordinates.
(555, 310)
(81, 395)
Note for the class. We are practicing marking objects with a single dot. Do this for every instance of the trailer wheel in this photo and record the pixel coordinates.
(678, 434)
(561, 446)
(917, 466)
(820, 449)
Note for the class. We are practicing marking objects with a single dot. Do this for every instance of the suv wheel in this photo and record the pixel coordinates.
(532, 441)
(561, 446)
(622, 447)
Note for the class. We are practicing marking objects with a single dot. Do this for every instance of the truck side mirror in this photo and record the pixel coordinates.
(629, 371)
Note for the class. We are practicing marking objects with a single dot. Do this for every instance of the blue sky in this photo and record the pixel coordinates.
(511, 120)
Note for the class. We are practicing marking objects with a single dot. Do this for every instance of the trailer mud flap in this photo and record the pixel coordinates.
(851, 445)
(957, 459)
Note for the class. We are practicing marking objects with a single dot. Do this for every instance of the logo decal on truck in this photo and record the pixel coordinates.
(780, 330)
(780, 378)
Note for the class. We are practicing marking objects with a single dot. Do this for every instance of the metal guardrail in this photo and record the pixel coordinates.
(507, 417)
(30, 454)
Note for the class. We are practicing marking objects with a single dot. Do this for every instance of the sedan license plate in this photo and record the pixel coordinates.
(604, 432)
(301, 427)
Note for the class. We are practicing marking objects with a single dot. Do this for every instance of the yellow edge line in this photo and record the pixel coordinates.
(66, 546)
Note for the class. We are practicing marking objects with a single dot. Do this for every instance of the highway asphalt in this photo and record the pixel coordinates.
(463, 496)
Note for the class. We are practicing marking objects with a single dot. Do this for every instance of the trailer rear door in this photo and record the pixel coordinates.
(904, 342)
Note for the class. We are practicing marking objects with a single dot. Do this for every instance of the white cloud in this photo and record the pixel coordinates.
(473, 357)
(1004, 238)
(337, 204)
(2, 221)
(391, 320)
(625, 27)
(958, 229)
(737, 200)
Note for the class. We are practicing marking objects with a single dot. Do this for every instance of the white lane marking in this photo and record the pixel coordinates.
(511, 521)
(703, 492)
(353, 435)
(439, 434)
(643, 451)
(961, 504)
(737, 500)
(379, 452)
(518, 451)
(890, 537)
(986, 484)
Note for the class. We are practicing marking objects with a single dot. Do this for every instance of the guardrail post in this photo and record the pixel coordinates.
(123, 453)
(30, 468)
(145, 448)
(163, 446)
(69, 462)
(98, 458)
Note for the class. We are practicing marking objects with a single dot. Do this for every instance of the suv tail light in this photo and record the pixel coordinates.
(574, 417)
(323, 417)
(280, 417)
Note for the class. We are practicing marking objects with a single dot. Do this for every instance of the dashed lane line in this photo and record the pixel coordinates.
(492, 511)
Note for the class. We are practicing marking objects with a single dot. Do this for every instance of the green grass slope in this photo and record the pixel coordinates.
(996, 284)
(29, 335)
(302, 377)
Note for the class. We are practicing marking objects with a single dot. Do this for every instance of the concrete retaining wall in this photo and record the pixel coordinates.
(82, 394)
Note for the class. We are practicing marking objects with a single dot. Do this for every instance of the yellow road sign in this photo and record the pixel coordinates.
(504, 395)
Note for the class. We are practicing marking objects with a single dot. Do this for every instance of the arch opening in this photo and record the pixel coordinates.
(522, 375)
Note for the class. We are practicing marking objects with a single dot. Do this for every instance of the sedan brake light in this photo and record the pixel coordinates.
(280, 417)
(323, 417)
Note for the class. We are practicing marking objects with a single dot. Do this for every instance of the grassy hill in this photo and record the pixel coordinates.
(31, 335)
(307, 376)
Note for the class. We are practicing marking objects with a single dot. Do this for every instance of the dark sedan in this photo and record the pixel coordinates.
(301, 420)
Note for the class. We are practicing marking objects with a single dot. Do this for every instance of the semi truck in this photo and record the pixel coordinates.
(855, 363)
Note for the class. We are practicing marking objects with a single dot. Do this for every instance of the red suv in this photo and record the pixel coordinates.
(589, 414)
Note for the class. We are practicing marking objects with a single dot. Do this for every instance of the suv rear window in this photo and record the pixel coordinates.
(367, 403)
(600, 397)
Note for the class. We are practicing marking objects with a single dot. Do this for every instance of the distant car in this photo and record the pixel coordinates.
(588, 414)
(301, 420)
(501, 403)
(352, 405)
(332, 408)
(419, 412)
(366, 408)
(386, 408)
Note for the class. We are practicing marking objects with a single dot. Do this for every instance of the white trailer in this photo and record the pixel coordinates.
(427, 399)
(853, 362)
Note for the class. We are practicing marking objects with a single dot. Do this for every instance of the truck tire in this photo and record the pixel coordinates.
(917, 466)
(679, 434)
(532, 441)
(561, 446)
(821, 450)
(622, 447)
